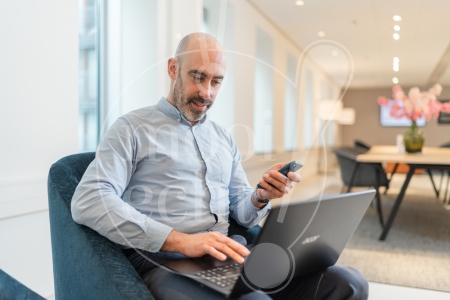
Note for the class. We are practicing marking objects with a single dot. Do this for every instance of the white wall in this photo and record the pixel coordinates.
(39, 96)
(39, 119)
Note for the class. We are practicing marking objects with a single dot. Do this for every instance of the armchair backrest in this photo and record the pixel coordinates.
(10, 288)
(86, 265)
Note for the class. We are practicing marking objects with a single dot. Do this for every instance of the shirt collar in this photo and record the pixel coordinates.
(173, 113)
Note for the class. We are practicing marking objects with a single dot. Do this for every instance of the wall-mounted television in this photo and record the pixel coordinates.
(444, 117)
(387, 120)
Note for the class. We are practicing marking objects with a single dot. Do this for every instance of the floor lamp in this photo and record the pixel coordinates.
(330, 110)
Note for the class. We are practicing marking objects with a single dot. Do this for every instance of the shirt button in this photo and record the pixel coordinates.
(178, 120)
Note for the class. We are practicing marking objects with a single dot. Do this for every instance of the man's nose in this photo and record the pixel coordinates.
(205, 91)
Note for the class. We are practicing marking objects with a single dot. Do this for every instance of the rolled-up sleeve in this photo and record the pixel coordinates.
(240, 192)
(97, 201)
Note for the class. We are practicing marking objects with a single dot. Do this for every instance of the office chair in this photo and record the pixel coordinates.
(87, 265)
(441, 173)
(361, 144)
(357, 174)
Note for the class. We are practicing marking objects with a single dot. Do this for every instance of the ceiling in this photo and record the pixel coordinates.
(365, 28)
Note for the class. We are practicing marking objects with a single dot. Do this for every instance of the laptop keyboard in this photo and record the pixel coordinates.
(222, 276)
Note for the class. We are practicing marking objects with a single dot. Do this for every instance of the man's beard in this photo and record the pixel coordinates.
(184, 104)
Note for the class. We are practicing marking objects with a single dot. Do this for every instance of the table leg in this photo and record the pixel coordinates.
(446, 189)
(397, 203)
(432, 181)
(390, 177)
(378, 198)
(352, 178)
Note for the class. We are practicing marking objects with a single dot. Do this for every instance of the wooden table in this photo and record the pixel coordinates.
(431, 158)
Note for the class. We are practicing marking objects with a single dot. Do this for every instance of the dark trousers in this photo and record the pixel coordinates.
(336, 282)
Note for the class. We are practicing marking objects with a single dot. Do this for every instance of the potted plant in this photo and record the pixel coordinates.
(414, 107)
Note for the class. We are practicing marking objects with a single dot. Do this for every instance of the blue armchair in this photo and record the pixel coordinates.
(10, 288)
(87, 265)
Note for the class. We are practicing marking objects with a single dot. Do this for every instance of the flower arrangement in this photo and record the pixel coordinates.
(417, 104)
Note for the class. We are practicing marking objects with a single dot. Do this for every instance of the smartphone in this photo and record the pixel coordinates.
(290, 167)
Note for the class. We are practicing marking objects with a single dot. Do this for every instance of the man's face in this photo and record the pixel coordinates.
(198, 82)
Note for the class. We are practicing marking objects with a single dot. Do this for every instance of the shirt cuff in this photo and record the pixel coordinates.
(257, 213)
(156, 235)
(255, 209)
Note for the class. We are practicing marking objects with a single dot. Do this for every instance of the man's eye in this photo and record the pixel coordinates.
(217, 82)
(197, 78)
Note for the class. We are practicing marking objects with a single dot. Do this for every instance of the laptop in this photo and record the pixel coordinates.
(297, 239)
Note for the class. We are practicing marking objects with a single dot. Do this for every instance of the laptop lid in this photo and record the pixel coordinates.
(302, 238)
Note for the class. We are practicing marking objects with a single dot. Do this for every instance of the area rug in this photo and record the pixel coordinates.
(416, 253)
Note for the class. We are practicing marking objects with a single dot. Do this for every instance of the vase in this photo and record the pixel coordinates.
(413, 138)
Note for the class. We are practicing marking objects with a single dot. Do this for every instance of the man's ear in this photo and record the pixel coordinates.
(172, 68)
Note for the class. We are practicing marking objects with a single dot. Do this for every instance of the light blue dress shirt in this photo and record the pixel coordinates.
(154, 172)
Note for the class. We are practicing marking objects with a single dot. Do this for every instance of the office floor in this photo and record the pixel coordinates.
(380, 291)
(28, 255)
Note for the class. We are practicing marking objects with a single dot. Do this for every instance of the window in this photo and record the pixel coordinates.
(290, 105)
(308, 110)
(326, 127)
(331, 125)
(88, 77)
(138, 55)
(264, 92)
(219, 21)
(322, 123)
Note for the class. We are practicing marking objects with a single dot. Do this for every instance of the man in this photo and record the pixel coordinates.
(166, 179)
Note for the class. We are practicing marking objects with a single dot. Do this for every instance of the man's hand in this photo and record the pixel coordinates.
(279, 184)
(212, 243)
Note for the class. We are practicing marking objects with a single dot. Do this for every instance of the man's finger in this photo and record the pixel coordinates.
(276, 183)
(242, 250)
(274, 192)
(228, 252)
(294, 176)
(214, 253)
(281, 182)
(280, 177)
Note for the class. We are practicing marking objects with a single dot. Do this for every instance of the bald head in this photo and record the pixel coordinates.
(198, 43)
(196, 74)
